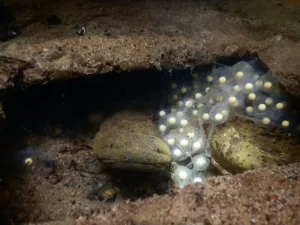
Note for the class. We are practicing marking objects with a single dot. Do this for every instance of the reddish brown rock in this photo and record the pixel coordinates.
(254, 197)
(158, 35)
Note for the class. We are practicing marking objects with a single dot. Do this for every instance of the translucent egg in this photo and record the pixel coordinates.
(181, 130)
(198, 96)
(184, 90)
(195, 113)
(219, 113)
(173, 85)
(181, 176)
(184, 142)
(183, 119)
(242, 68)
(209, 78)
(280, 105)
(188, 103)
(24, 156)
(162, 113)
(248, 83)
(290, 123)
(261, 111)
(193, 131)
(180, 103)
(249, 110)
(237, 88)
(269, 101)
(172, 120)
(222, 75)
(285, 123)
(200, 162)
(28, 161)
(251, 96)
(180, 114)
(198, 178)
(170, 139)
(204, 116)
(236, 100)
(198, 145)
(177, 154)
(179, 139)
(184, 122)
(268, 83)
(266, 121)
(162, 128)
(280, 101)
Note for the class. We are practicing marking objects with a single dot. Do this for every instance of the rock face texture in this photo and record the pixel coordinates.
(255, 197)
(61, 41)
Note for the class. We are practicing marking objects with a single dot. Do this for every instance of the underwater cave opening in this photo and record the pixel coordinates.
(46, 153)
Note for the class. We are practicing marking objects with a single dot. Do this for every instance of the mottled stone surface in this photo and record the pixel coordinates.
(130, 140)
(243, 145)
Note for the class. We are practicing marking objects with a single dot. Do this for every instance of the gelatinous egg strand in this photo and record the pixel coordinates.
(213, 99)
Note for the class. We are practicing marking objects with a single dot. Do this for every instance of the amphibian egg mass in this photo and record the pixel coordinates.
(207, 100)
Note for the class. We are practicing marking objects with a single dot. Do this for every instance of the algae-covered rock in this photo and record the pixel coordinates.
(130, 140)
(243, 145)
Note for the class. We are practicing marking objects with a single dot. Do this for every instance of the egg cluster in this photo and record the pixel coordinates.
(195, 106)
